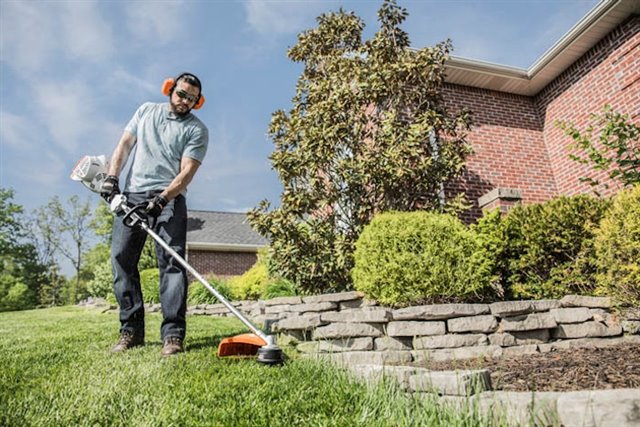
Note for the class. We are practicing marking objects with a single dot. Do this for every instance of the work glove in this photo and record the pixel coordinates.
(155, 205)
(109, 188)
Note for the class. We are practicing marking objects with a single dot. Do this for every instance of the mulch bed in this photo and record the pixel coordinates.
(561, 370)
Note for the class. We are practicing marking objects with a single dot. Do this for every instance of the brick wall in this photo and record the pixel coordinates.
(515, 140)
(609, 73)
(507, 140)
(222, 264)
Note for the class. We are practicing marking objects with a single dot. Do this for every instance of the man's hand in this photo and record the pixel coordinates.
(155, 205)
(109, 188)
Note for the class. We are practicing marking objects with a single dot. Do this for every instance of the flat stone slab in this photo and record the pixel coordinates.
(528, 322)
(585, 301)
(439, 311)
(283, 301)
(588, 342)
(411, 328)
(484, 323)
(391, 343)
(571, 314)
(351, 358)
(346, 330)
(376, 373)
(521, 408)
(312, 307)
(451, 383)
(337, 297)
(586, 330)
(449, 341)
(545, 305)
(334, 346)
(508, 339)
(511, 308)
(358, 316)
(460, 353)
(601, 408)
(304, 322)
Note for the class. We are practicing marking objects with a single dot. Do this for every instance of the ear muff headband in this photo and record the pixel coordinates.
(170, 84)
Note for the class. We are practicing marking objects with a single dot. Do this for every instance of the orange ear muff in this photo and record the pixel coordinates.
(199, 103)
(167, 86)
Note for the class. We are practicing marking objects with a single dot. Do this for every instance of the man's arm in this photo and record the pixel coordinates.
(121, 153)
(188, 168)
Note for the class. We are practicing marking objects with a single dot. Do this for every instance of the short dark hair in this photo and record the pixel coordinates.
(191, 79)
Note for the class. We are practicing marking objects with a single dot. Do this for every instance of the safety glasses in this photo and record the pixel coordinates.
(184, 95)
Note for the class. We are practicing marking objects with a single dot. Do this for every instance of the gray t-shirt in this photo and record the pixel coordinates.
(162, 140)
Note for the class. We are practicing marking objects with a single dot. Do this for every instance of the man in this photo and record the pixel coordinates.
(168, 144)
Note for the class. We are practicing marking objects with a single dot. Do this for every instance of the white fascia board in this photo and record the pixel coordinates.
(588, 21)
(487, 67)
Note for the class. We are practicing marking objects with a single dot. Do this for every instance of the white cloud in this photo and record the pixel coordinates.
(18, 132)
(87, 34)
(281, 17)
(156, 21)
(35, 33)
(26, 42)
(63, 110)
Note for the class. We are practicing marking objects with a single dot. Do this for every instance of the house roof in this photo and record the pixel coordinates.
(222, 231)
(596, 24)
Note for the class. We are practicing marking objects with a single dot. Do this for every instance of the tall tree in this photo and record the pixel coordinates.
(367, 133)
(21, 275)
(68, 231)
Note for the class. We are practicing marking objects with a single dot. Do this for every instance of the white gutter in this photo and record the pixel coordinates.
(223, 247)
(588, 21)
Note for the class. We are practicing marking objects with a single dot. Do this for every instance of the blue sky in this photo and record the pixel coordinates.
(73, 72)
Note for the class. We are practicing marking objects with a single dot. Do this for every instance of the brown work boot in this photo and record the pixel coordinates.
(127, 340)
(172, 345)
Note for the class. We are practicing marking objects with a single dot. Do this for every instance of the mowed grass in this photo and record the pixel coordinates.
(56, 370)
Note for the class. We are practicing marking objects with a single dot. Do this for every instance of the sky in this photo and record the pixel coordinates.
(72, 73)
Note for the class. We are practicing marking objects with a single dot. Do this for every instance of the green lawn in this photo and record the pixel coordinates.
(55, 370)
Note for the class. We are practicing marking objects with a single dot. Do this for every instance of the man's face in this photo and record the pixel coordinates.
(183, 98)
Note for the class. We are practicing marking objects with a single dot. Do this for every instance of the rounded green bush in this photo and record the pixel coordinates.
(252, 284)
(150, 284)
(617, 246)
(198, 294)
(405, 257)
(549, 249)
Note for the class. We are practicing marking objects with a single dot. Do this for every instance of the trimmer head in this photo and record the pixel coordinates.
(270, 355)
(250, 345)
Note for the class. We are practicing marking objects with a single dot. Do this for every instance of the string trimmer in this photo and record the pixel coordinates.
(91, 171)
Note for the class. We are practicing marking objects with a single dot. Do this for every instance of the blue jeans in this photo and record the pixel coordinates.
(126, 247)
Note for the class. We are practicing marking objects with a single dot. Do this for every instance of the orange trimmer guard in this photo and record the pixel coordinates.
(240, 345)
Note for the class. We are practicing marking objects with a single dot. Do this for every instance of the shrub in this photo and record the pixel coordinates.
(490, 232)
(101, 285)
(549, 249)
(280, 287)
(252, 284)
(150, 284)
(405, 257)
(617, 246)
(198, 294)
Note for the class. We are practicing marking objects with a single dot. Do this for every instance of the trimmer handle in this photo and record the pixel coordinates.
(133, 216)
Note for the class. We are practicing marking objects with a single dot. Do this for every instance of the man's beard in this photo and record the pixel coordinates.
(177, 111)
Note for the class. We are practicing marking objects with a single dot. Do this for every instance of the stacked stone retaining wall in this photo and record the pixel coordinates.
(350, 329)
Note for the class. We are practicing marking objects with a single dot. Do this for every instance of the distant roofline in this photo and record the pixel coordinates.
(596, 24)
